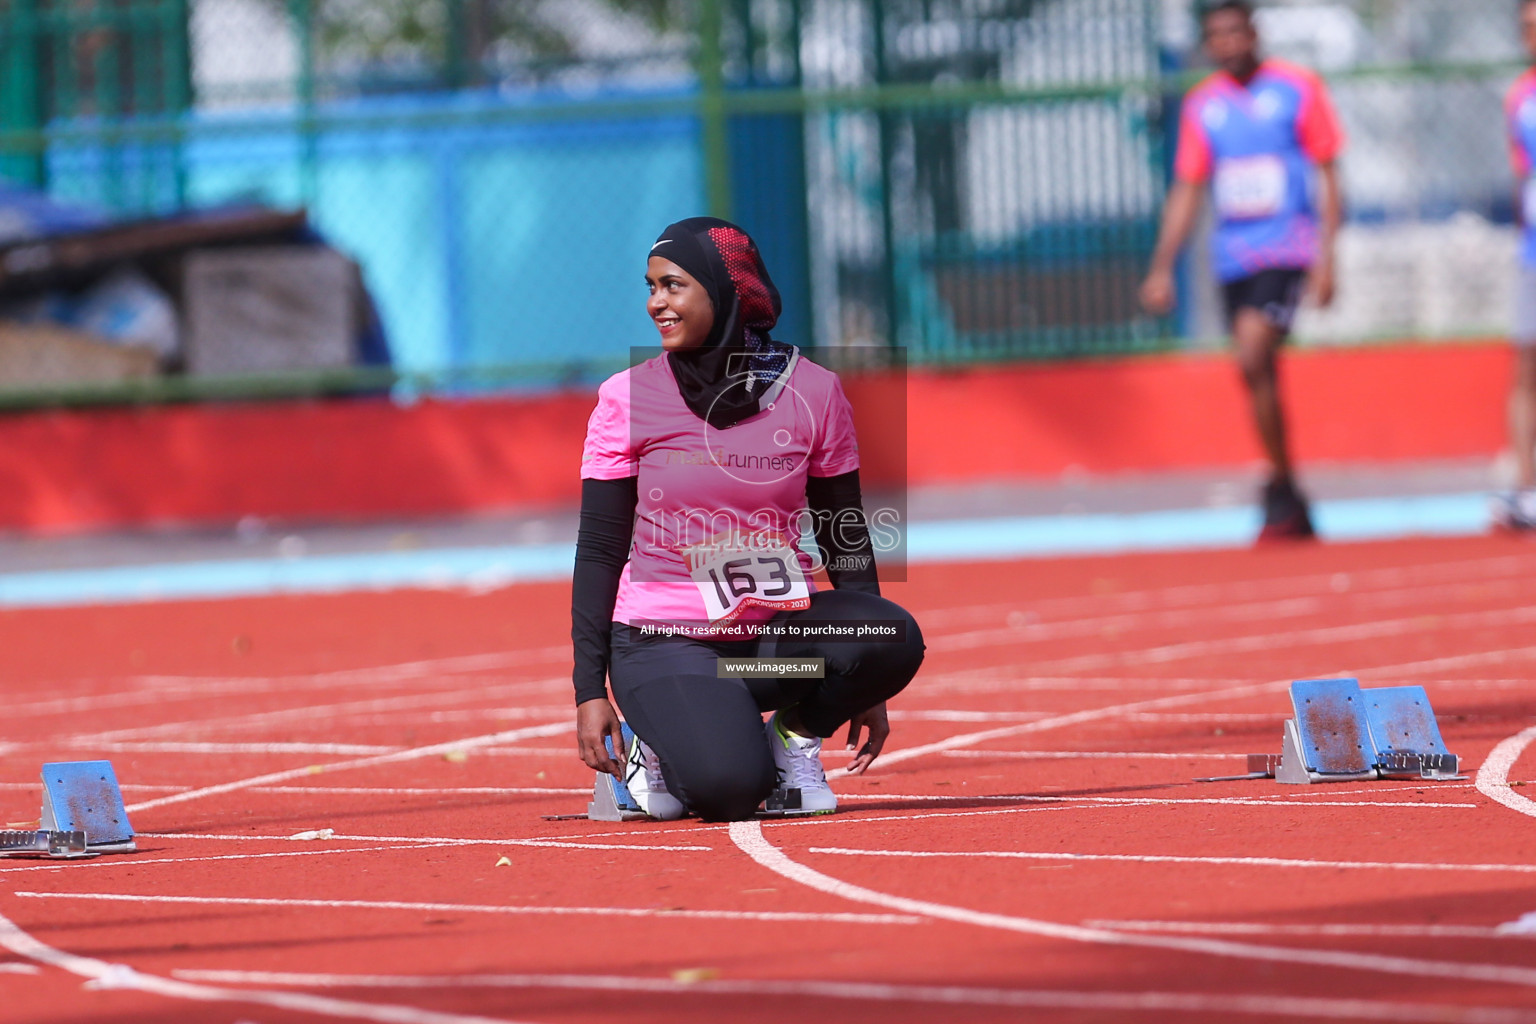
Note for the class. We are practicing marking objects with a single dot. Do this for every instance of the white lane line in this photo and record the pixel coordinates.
(1385, 931)
(1493, 776)
(160, 688)
(234, 748)
(428, 791)
(102, 974)
(1072, 755)
(749, 838)
(1290, 640)
(1417, 577)
(1149, 858)
(30, 787)
(489, 908)
(970, 739)
(20, 969)
(1208, 716)
(994, 679)
(1501, 655)
(468, 743)
(568, 843)
(331, 713)
(953, 995)
(36, 787)
(956, 715)
(1036, 804)
(1166, 801)
(1024, 627)
(103, 863)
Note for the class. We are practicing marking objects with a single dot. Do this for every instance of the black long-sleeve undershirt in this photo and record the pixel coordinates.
(606, 531)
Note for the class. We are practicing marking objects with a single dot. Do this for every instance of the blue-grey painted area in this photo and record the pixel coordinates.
(486, 567)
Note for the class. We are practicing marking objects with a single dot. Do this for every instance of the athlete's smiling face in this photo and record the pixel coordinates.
(679, 305)
(1231, 42)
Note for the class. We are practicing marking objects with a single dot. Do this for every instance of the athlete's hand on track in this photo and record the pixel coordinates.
(1157, 293)
(1320, 284)
(594, 720)
(878, 727)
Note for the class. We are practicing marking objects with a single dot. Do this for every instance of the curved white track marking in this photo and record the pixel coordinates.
(1148, 1002)
(109, 975)
(468, 743)
(1152, 858)
(476, 908)
(749, 837)
(1493, 776)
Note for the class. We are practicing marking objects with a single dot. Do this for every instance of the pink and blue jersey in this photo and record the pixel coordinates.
(717, 532)
(1258, 144)
(1520, 114)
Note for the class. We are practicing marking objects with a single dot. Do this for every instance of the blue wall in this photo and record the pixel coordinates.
(485, 244)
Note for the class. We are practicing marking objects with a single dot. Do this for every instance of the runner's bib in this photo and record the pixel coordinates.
(1250, 187)
(737, 572)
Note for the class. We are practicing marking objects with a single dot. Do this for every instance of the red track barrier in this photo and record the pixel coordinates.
(366, 459)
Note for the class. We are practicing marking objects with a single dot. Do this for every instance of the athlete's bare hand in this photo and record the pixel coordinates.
(878, 727)
(1320, 284)
(1157, 293)
(595, 719)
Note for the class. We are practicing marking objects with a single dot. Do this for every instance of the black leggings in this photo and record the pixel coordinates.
(708, 732)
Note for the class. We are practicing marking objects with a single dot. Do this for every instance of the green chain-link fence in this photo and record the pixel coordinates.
(970, 179)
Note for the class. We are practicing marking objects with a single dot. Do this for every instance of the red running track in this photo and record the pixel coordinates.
(1031, 846)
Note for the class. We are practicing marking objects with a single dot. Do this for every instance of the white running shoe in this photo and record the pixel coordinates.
(797, 759)
(642, 774)
(1515, 511)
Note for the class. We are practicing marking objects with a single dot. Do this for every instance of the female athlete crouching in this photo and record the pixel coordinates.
(700, 467)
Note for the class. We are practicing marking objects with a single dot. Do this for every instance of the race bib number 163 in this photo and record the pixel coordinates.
(733, 577)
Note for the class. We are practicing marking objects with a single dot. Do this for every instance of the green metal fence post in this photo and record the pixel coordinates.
(455, 71)
(712, 110)
(302, 13)
(20, 98)
(887, 215)
(177, 80)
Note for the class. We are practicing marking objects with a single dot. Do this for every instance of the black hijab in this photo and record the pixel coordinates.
(723, 380)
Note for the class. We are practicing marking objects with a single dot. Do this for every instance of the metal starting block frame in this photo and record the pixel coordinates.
(48, 842)
(1342, 733)
(83, 797)
(611, 800)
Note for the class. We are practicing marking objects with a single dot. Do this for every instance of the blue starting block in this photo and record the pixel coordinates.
(83, 796)
(83, 815)
(1342, 733)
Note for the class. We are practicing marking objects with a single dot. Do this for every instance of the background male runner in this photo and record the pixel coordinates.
(1256, 131)
(1517, 510)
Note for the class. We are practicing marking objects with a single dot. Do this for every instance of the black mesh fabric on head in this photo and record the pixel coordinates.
(722, 379)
